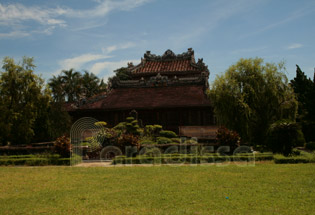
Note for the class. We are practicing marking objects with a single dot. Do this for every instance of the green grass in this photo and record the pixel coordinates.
(261, 189)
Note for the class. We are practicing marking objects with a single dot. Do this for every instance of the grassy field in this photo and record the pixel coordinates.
(263, 189)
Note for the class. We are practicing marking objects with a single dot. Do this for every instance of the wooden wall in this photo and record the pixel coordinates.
(169, 118)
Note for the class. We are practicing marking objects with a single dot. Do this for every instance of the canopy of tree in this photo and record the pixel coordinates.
(122, 73)
(305, 90)
(25, 105)
(252, 95)
(71, 86)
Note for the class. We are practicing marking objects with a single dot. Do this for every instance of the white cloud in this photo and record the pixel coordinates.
(110, 66)
(15, 15)
(112, 48)
(106, 6)
(78, 61)
(84, 61)
(14, 34)
(294, 46)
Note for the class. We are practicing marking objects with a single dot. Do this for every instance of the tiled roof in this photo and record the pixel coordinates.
(155, 97)
(168, 63)
(166, 66)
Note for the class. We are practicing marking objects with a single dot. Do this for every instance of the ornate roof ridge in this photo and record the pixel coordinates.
(170, 55)
(162, 81)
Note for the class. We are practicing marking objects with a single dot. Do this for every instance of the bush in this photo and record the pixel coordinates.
(191, 141)
(34, 160)
(152, 131)
(176, 140)
(131, 126)
(280, 159)
(189, 158)
(225, 137)
(147, 142)
(62, 146)
(168, 134)
(128, 140)
(283, 136)
(310, 146)
(163, 140)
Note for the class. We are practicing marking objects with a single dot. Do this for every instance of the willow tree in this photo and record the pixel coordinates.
(252, 95)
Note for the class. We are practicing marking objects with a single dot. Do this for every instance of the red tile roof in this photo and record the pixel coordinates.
(168, 63)
(166, 66)
(152, 97)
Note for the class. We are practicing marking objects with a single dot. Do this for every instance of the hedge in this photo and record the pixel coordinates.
(280, 159)
(189, 158)
(32, 160)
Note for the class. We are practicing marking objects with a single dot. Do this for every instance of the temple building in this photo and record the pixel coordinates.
(169, 90)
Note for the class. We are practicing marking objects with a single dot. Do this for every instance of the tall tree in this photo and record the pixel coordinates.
(122, 73)
(57, 87)
(302, 87)
(90, 84)
(250, 96)
(71, 86)
(20, 93)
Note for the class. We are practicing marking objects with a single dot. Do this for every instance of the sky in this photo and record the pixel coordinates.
(102, 35)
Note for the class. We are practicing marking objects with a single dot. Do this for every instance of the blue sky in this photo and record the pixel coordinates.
(103, 35)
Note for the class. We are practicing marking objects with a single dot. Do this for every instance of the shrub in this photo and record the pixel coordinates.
(128, 140)
(163, 140)
(147, 142)
(92, 144)
(189, 158)
(280, 159)
(283, 136)
(34, 160)
(152, 131)
(296, 152)
(175, 140)
(168, 134)
(131, 126)
(62, 146)
(191, 141)
(225, 137)
(310, 146)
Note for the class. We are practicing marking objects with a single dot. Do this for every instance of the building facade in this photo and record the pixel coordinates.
(169, 90)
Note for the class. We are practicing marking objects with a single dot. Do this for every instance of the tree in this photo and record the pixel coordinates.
(302, 87)
(284, 135)
(90, 83)
(250, 96)
(71, 86)
(51, 122)
(122, 73)
(20, 93)
(57, 87)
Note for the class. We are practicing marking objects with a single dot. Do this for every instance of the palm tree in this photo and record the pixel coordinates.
(72, 85)
(56, 85)
(90, 83)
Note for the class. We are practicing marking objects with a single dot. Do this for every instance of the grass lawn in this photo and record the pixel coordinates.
(263, 189)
